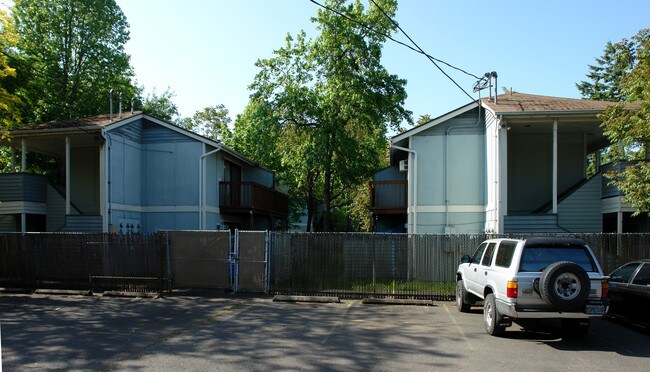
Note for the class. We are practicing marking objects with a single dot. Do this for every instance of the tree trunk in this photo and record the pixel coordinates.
(327, 186)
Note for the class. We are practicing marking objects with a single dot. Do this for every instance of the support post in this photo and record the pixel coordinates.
(555, 194)
(23, 166)
(67, 176)
(13, 160)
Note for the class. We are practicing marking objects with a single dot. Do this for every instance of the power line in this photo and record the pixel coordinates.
(422, 51)
(418, 50)
(390, 38)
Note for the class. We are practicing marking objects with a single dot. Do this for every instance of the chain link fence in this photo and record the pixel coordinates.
(134, 263)
(400, 265)
(340, 264)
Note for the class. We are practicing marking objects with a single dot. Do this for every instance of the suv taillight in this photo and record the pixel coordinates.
(511, 289)
(604, 289)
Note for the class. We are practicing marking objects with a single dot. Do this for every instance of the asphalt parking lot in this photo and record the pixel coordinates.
(225, 333)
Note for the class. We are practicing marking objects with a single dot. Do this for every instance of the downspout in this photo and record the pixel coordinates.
(413, 197)
(446, 160)
(23, 169)
(201, 186)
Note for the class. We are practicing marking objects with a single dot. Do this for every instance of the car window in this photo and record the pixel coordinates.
(505, 253)
(537, 257)
(643, 276)
(489, 252)
(479, 253)
(623, 273)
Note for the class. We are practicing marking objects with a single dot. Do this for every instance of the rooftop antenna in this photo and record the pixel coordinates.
(132, 102)
(120, 105)
(110, 98)
(494, 75)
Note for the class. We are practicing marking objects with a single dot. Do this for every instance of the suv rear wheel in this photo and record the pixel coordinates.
(491, 317)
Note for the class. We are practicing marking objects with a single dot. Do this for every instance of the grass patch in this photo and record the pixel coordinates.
(439, 288)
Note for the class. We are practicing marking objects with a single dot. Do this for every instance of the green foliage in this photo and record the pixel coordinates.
(606, 77)
(73, 53)
(9, 102)
(324, 106)
(423, 119)
(211, 122)
(630, 128)
(161, 105)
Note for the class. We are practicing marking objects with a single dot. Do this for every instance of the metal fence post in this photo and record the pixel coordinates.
(235, 264)
(169, 262)
(267, 261)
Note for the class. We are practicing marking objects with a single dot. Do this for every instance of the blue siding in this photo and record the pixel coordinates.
(153, 133)
(76, 223)
(581, 211)
(544, 223)
(389, 174)
(23, 187)
(131, 131)
(258, 175)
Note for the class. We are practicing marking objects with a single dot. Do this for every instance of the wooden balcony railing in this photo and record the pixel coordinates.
(242, 197)
(388, 196)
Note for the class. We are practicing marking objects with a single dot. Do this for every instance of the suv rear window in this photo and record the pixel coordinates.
(536, 258)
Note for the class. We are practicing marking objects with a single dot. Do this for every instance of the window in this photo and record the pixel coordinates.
(537, 257)
(623, 273)
(478, 254)
(643, 276)
(487, 259)
(505, 253)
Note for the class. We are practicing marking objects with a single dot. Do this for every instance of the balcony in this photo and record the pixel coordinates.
(609, 190)
(246, 197)
(22, 193)
(388, 197)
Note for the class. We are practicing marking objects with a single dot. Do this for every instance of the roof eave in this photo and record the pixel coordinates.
(554, 113)
(53, 131)
(434, 122)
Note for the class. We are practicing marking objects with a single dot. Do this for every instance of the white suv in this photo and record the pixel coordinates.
(520, 279)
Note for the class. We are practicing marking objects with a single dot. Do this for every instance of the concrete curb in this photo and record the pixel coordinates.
(397, 301)
(319, 299)
(131, 294)
(15, 290)
(68, 292)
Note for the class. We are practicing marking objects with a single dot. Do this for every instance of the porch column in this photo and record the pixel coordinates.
(23, 159)
(67, 175)
(23, 168)
(13, 160)
(554, 166)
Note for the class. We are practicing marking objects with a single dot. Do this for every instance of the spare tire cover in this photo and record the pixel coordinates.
(565, 285)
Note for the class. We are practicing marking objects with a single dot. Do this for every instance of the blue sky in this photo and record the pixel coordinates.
(205, 50)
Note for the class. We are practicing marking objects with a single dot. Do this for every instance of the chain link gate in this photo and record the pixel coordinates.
(220, 260)
(251, 261)
(200, 259)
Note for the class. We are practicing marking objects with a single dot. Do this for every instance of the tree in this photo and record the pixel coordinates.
(423, 119)
(211, 122)
(161, 105)
(630, 127)
(9, 102)
(333, 101)
(74, 55)
(606, 77)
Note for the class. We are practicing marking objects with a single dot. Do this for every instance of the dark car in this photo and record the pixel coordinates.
(629, 292)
